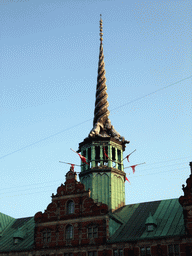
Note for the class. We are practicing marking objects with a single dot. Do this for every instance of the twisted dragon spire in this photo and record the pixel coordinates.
(101, 112)
(101, 123)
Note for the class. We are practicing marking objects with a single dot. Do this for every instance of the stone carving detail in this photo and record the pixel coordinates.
(187, 198)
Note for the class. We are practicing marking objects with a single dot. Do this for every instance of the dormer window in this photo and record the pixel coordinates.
(16, 240)
(150, 223)
(70, 207)
(18, 236)
(150, 227)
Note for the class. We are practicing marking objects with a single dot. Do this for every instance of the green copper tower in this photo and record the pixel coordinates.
(103, 148)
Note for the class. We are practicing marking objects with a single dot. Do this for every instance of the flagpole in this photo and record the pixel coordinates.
(128, 155)
(134, 165)
(73, 150)
(69, 163)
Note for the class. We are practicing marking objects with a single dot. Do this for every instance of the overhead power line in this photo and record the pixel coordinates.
(175, 170)
(162, 167)
(46, 138)
(51, 185)
(175, 159)
(160, 172)
(151, 93)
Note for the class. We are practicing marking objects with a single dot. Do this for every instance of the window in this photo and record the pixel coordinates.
(148, 251)
(92, 232)
(105, 154)
(16, 240)
(70, 207)
(97, 155)
(115, 253)
(119, 158)
(118, 252)
(46, 237)
(173, 250)
(113, 153)
(83, 164)
(89, 154)
(145, 251)
(150, 227)
(94, 253)
(69, 232)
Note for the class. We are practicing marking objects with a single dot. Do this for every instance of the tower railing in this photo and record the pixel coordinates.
(102, 163)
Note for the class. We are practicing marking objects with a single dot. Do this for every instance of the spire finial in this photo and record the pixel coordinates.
(101, 29)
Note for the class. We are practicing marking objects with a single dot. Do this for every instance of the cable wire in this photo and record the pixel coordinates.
(59, 180)
(175, 170)
(91, 118)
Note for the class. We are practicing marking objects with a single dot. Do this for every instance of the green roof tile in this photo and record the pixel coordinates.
(132, 219)
(167, 214)
(4, 221)
(22, 228)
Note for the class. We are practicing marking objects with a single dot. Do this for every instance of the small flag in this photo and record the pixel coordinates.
(133, 167)
(105, 152)
(127, 179)
(128, 156)
(83, 159)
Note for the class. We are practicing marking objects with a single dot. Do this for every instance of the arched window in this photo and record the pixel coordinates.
(70, 207)
(69, 232)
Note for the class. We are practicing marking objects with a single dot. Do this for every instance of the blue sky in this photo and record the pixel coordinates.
(49, 59)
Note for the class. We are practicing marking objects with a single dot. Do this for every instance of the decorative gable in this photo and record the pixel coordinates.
(186, 202)
(71, 186)
(72, 217)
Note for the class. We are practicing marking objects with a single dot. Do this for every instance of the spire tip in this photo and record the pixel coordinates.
(101, 29)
